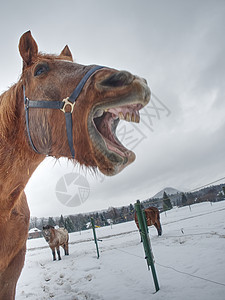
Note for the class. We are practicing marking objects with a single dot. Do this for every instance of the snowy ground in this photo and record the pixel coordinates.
(189, 265)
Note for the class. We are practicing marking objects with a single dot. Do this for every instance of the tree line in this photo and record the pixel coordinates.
(80, 221)
(115, 215)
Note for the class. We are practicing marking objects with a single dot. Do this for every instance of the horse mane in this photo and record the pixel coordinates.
(9, 108)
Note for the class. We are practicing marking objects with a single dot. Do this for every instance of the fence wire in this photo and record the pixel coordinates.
(174, 269)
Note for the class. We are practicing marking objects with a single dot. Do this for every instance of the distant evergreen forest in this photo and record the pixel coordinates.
(115, 215)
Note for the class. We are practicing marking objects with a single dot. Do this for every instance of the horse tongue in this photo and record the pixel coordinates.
(104, 127)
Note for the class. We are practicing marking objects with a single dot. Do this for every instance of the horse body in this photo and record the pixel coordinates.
(152, 218)
(55, 238)
(108, 96)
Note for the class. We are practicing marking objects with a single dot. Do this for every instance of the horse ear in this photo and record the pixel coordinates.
(28, 48)
(67, 53)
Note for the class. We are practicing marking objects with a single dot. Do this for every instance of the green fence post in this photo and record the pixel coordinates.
(146, 241)
(95, 238)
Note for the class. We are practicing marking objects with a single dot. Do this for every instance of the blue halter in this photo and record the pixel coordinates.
(59, 105)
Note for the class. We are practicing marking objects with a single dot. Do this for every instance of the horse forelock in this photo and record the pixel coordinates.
(49, 56)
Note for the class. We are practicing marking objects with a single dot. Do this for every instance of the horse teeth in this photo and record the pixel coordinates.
(137, 119)
(128, 117)
(133, 117)
(121, 116)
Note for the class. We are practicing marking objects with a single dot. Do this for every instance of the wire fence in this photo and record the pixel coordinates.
(179, 236)
(172, 268)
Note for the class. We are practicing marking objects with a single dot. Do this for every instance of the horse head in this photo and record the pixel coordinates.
(107, 97)
(47, 230)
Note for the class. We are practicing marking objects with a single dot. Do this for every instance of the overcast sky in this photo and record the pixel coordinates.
(178, 46)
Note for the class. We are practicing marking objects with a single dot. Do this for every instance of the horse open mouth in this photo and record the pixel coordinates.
(103, 122)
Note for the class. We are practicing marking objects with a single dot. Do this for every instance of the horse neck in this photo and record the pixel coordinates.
(17, 159)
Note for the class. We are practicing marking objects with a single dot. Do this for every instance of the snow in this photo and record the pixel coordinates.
(189, 256)
(33, 230)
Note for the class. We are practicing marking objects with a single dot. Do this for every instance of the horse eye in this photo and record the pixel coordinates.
(40, 69)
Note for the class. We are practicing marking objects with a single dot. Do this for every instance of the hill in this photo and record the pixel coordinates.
(168, 190)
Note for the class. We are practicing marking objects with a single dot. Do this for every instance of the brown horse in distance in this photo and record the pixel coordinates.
(107, 96)
(152, 218)
(56, 238)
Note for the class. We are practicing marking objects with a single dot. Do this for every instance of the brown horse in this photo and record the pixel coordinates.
(55, 238)
(46, 125)
(152, 218)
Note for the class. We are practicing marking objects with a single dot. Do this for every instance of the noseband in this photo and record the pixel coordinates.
(58, 105)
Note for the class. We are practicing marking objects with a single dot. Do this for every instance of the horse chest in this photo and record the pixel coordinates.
(53, 242)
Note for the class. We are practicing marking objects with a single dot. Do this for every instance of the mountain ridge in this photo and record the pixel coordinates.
(168, 190)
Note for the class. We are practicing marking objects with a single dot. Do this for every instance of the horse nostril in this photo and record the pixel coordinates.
(118, 79)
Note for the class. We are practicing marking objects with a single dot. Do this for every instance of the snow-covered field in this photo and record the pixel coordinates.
(189, 256)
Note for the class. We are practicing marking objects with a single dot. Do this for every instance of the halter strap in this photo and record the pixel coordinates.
(58, 105)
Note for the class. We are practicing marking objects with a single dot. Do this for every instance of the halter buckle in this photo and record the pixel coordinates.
(67, 102)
